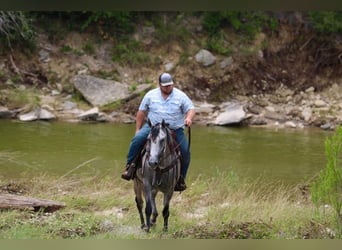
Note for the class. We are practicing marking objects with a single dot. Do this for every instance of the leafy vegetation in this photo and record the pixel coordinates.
(327, 190)
(326, 21)
(16, 98)
(130, 52)
(248, 23)
(15, 30)
(18, 27)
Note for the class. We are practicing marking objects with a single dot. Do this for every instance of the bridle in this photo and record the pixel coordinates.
(168, 142)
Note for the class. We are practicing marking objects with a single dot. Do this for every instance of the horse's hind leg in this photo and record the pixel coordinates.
(139, 203)
(166, 212)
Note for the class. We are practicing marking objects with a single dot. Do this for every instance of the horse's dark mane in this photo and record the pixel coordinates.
(155, 131)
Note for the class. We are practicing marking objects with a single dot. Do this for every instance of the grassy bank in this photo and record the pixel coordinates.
(223, 207)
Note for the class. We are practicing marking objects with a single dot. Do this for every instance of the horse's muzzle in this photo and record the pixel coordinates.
(153, 163)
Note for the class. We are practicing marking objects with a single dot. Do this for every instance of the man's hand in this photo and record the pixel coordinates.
(187, 122)
(188, 118)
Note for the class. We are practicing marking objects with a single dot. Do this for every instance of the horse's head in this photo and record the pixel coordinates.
(158, 141)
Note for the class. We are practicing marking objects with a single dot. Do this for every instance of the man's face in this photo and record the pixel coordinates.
(166, 89)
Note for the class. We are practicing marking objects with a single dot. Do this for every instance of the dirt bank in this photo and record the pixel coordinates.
(293, 57)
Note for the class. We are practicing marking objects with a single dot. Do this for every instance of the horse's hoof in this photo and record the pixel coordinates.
(142, 226)
(145, 228)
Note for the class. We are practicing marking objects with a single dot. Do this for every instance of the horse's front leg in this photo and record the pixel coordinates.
(166, 212)
(154, 208)
(148, 212)
(149, 206)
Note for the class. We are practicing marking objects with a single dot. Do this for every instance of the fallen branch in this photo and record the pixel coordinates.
(14, 66)
(11, 201)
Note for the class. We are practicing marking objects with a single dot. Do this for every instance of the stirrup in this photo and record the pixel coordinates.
(129, 172)
(180, 185)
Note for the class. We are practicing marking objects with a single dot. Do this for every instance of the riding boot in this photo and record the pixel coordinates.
(180, 186)
(129, 172)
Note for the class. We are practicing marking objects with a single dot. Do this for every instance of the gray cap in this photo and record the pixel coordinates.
(165, 79)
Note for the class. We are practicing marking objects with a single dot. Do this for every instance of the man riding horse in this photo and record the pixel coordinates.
(163, 103)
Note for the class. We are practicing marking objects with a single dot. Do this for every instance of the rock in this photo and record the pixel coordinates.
(290, 124)
(226, 62)
(320, 103)
(37, 114)
(310, 90)
(5, 113)
(270, 108)
(257, 121)
(204, 108)
(89, 115)
(68, 105)
(233, 114)
(44, 56)
(327, 126)
(45, 115)
(31, 116)
(55, 92)
(100, 92)
(205, 57)
(307, 113)
(169, 66)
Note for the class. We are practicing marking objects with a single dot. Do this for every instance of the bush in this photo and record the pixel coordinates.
(326, 21)
(248, 23)
(15, 29)
(328, 187)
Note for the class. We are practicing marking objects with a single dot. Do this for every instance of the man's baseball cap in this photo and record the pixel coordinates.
(165, 79)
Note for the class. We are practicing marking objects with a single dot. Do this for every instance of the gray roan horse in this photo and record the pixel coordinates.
(160, 170)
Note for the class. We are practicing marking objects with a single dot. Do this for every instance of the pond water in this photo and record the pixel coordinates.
(57, 148)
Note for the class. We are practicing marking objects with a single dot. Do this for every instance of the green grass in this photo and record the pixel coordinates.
(17, 98)
(224, 206)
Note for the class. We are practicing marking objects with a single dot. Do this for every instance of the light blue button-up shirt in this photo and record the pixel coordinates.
(172, 110)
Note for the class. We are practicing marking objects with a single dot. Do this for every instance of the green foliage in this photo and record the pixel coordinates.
(248, 23)
(117, 23)
(130, 52)
(170, 28)
(89, 48)
(68, 49)
(216, 44)
(16, 30)
(328, 187)
(16, 98)
(326, 21)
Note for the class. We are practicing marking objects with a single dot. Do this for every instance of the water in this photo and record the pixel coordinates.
(290, 156)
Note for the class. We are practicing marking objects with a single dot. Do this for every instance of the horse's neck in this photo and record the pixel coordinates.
(170, 148)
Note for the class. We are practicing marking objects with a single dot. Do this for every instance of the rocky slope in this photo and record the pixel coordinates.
(290, 77)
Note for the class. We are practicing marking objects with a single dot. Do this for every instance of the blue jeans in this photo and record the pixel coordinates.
(139, 140)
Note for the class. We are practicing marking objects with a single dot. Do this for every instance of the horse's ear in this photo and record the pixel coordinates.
(164, 124)
(149, 122)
